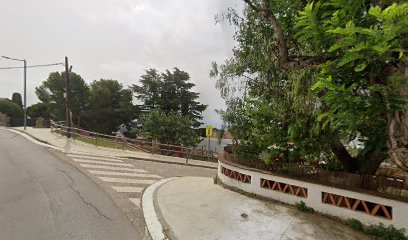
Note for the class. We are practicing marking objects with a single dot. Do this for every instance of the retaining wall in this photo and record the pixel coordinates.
(337, 202)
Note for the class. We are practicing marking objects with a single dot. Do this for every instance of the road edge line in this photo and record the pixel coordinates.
(151, 218)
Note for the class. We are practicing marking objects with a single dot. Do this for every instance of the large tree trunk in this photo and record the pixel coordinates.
(366, 164)
(397, 132)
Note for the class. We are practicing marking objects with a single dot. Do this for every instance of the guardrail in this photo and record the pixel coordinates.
(153, 147)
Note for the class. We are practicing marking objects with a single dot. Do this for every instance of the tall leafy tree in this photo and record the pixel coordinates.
(168, 128)
(170, 91)
(16, 97)
(39, 110)
(316, 75)
(52, 91)
(109, 106)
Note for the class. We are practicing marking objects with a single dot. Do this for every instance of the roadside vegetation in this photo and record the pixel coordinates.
(167, 109)
(379, 231)
(310, 79)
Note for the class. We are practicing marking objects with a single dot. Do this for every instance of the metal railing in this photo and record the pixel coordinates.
(153, 147)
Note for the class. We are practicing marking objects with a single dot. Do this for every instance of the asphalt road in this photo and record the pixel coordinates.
(43, 197)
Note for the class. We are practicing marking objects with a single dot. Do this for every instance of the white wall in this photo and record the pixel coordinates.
(314, 197)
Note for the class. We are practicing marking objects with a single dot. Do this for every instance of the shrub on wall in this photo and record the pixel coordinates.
(10, 108)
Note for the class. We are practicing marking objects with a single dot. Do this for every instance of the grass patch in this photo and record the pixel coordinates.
(301, 206)
(101, 142)
(379, 231)
(355, 224)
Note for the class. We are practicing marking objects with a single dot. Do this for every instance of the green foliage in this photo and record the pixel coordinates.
(379, 231)
(357, 85)
(10, 108)
(52, 91)
(278, 112)
(168, 128)
(269, 110)
(386, 233)
(301, 206)
(109, 106)
(170, 92)
(355, 224)
(39, 110)
(16, 97)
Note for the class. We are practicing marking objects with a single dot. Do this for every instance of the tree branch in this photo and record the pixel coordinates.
(296, 62)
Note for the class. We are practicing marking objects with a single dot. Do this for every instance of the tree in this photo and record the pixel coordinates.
(168, 128)
(52, 91)
(170, 92)
(16, 97)
(39, 110)
(10, 108)
(109, 106)
(315, 76)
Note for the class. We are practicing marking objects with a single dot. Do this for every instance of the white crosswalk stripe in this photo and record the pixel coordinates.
(112, 168)
(127, 180)
(136, 201)
(97, 159)
(92, 157)
(128, 189)
(102, 162)
(96, 172)
(117, 174)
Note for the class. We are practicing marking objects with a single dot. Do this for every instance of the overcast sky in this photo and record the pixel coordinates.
(115, 39)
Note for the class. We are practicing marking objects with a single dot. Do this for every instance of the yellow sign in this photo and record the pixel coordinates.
(208, 131)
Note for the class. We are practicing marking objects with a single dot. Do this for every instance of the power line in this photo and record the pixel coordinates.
(34, 66)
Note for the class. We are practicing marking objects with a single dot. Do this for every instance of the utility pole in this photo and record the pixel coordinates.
(25, 88)
(67, 114)
(25, 95)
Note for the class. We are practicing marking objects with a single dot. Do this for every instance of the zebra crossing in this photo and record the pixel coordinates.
(122, 177)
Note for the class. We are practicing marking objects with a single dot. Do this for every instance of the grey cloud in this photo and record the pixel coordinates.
(116, 39)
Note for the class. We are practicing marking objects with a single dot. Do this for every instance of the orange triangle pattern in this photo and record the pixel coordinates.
(374, 209)
(236, 175)
(284, 188)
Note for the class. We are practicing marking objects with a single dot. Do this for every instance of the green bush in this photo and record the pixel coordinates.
(301, 206)
(355, 224)
(386, 233)
(10, 108)
(379, 231)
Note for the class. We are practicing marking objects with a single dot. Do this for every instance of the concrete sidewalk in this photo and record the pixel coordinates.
(196, 208)
(45, 135)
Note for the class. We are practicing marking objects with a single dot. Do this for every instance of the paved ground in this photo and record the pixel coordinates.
(196, 208)
(122, 178)
(43, 197)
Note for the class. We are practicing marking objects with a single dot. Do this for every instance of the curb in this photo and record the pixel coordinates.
(33, 139)
(42, 141)
(170, 162)
(153, 224)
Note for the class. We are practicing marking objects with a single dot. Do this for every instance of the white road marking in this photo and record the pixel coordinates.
(94, 158)
(127, 180)
(123, 174)
(105, 163)
(112, 168)
(136, 201)
(128, 189)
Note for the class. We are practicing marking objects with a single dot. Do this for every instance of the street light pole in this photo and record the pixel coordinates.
(25, 95)
(25, 88)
